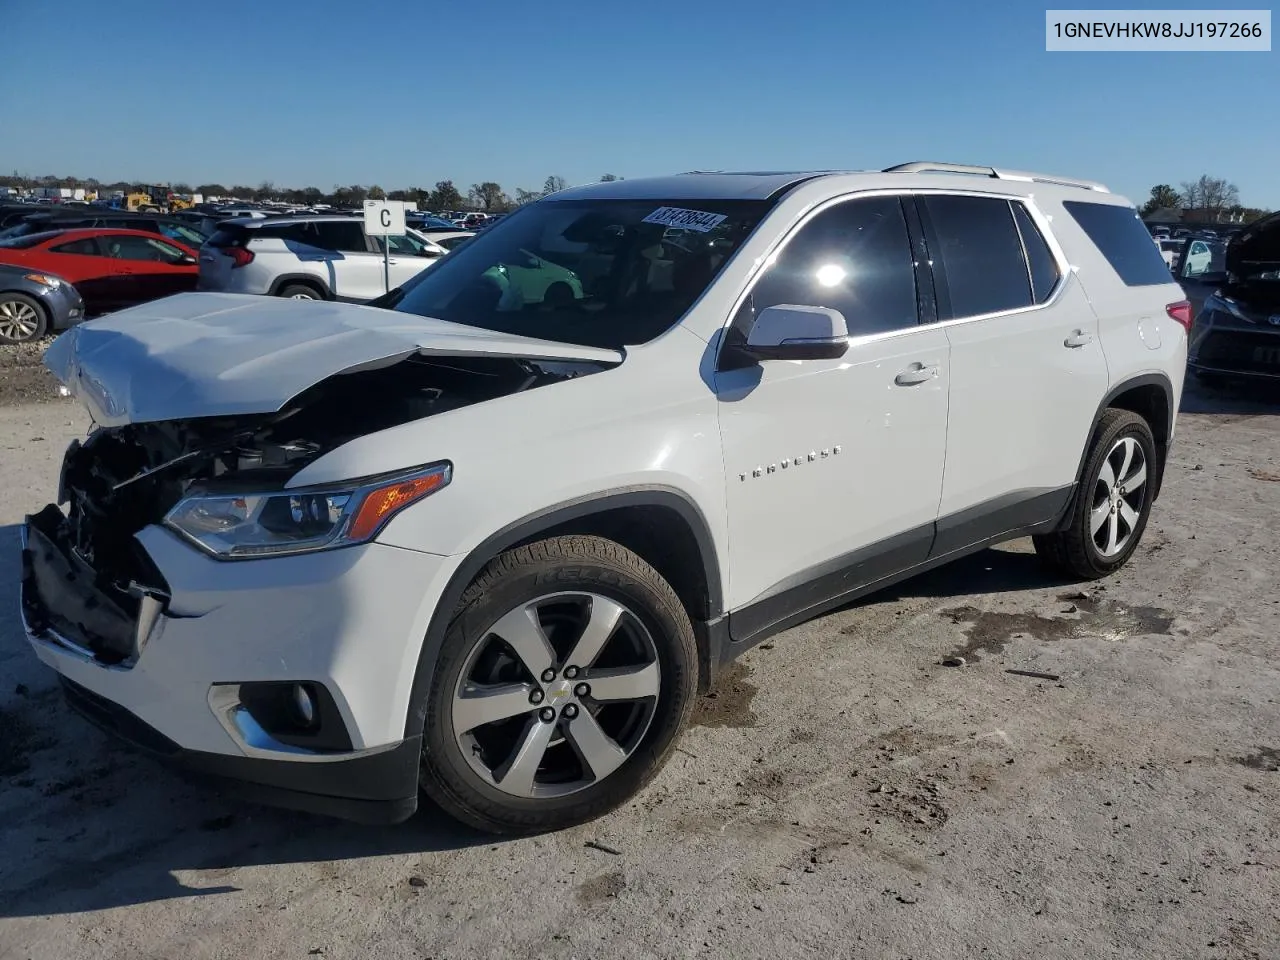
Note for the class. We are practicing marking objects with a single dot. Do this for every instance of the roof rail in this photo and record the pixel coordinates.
(929, 166)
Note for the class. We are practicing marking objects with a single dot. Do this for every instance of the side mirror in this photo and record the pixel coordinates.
(794, 332)
(187, 260)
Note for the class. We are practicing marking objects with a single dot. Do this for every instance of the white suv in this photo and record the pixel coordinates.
(310, 258)
(491, 540)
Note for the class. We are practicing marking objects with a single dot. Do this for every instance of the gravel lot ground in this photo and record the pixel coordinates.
(843, 794)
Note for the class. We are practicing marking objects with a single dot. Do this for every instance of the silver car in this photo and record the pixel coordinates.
(33, 303)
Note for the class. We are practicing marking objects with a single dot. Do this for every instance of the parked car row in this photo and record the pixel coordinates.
(111, 260)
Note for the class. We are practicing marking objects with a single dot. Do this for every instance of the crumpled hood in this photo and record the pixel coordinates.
(215, 355)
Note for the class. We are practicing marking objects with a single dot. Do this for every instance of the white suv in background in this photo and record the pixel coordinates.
(309, 258)
(490, 543)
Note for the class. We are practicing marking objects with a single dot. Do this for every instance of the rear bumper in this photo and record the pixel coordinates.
(375, 788)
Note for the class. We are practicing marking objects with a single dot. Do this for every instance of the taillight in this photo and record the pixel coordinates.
(1181, 311)
(239, 256)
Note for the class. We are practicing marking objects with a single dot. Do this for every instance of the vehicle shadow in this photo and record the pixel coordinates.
(997, 569)
(86, 823)
(1240, 398)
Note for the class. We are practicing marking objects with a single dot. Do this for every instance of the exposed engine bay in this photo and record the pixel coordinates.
(121, 479)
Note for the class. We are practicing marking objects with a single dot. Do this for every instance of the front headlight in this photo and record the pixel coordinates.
(242, 526)
(44, 280)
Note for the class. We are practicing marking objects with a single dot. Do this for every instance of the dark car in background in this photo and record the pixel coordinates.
(1236, 285)
(188, 234)
(33, 303)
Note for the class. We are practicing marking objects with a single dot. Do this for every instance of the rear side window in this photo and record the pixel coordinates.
(88, 247)
(854, 257)
(228, 237)
(1040, 263)
(1123, 240)
(983, 268)
(336, 235)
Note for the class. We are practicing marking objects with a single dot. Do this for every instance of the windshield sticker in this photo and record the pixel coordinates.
(686, 219)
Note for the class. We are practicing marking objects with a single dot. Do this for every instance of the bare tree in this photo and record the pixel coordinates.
(553, 184)
(526, 196)
(609, 178)
(377, 193)
(1211, 195)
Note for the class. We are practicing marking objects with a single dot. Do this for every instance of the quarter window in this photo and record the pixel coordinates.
(1123, 240)
(854, 257)
(983, 268)
(87, 247)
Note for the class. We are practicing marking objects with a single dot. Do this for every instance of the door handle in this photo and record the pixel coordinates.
(915, 374)
(1078, 338)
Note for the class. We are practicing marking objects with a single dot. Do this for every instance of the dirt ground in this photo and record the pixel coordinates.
(844, 794)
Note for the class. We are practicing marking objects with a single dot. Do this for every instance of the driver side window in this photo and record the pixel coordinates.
(854, 257)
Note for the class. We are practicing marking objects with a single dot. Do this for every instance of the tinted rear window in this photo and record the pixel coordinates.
(1123, 240)
(228, 237)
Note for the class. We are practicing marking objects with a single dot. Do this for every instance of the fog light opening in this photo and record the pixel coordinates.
(304, 706)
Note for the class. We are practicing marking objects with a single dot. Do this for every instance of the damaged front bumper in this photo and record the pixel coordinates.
(182, 667)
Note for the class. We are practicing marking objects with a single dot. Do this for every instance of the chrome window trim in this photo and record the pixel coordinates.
(1066, 270)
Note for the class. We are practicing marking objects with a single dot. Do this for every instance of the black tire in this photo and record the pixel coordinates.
(299, 291)
(14, 302)
(515, 578)
(1073, 550)
(558, 295)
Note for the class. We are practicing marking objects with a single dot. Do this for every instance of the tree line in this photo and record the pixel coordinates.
(487, 196)
(1212, 199)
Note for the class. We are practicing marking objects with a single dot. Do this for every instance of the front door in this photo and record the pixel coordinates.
(834, 467)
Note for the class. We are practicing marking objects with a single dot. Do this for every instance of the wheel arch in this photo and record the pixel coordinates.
(301, 279)
(660, 524)
(1151, 396)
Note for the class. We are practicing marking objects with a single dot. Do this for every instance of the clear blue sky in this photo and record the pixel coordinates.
(406, 92)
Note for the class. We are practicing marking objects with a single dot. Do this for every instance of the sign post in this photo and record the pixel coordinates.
(384, 218)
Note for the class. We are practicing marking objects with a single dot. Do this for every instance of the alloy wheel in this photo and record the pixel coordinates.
(1119, 497)
(556, 695)
(18, 320)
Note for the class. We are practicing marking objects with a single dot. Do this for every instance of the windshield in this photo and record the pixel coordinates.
(604, 273)
(183, 234)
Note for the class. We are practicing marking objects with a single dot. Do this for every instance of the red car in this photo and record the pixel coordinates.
(111, 269)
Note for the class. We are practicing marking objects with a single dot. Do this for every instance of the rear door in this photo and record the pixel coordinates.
(1027, 368)
(98, 279)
